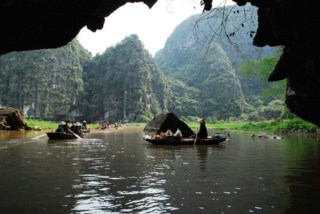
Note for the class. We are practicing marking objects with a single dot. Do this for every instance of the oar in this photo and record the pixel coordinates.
(37, 137)
(77, 136)
(195, 139)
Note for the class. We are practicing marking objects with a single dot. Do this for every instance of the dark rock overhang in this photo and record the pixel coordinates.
(37, 24)
(293, 24)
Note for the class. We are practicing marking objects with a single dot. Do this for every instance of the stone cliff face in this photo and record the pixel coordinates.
(36, 24)
(124, 83)
(43, 83)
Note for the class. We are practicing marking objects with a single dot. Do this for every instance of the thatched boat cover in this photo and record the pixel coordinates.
(165, 121)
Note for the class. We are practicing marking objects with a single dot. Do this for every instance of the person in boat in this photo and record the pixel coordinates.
(203, 133)
(104, 125)
(73, 126)
(169, 132)
(178, 134)
(67, 127)
(84, 125)
(61, 127)
(77, 128)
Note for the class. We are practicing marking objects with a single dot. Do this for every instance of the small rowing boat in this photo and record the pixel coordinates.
(172, 140)
(60, 136)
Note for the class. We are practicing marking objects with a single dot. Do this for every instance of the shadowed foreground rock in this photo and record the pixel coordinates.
(12, 119)
(293, 24)
(37, 24)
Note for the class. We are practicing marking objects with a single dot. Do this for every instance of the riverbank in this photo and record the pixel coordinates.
(290, 126)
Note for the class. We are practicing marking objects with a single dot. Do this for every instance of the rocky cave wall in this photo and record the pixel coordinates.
(293, 24)
(37, 24)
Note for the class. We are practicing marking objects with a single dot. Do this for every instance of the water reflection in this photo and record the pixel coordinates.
(5, 135)
(203, 151)
(118, 172)
(112, 180)
(303, 178)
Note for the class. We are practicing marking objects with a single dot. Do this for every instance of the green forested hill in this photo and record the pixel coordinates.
(43, 83)
(205, 52)
(124, 83)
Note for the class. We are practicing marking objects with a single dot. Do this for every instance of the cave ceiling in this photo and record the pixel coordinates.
(37, 24)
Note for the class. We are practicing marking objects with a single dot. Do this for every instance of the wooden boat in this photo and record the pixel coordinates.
(85, 130)
(172, 140)
(60, 136)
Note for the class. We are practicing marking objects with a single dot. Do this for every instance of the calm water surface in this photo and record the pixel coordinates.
(118, 172)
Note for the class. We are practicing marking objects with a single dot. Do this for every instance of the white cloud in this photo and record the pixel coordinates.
(153, 26)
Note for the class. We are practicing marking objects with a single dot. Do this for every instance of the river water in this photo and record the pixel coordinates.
(118, 172)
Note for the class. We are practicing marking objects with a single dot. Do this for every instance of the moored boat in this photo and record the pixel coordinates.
(171, 140)
(85, 130)
(60, 136)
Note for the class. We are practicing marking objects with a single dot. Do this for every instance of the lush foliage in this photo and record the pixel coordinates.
(294, 124)
(43, 83)
(124, 84)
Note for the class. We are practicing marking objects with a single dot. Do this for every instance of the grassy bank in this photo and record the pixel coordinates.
(48, 125)
(218, 126)
(291, 125)
(41, 123)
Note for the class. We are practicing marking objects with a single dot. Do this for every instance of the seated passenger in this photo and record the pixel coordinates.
(77, 128)
(168, 132)
(178, 134)
(61, 127)
(67, 127)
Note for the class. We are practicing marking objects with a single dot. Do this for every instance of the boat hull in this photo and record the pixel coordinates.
(60, 136)
(186, 141)
(85, 130)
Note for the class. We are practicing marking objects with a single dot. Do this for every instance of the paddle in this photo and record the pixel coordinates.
(77, 136)
(195, 139)
(37, 137)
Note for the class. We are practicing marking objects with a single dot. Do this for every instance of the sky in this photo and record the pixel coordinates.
(153, 26)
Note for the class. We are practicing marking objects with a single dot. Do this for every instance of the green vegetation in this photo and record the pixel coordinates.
(197, 74)
(218, 126)
(43, 83)
(44, 125)
(48, 125)
(288, 125)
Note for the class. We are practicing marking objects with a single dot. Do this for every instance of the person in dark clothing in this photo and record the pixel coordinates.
(76, 128)
(203, 129)
(61, 127)
(67, 127)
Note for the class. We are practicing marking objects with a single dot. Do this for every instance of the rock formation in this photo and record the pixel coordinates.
(12, 119)
(36, 24)
(293, 24)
